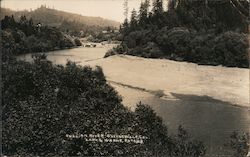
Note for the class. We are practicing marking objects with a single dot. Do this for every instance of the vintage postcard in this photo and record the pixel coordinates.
(139, 78)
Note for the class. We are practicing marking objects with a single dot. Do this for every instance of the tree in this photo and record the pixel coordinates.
(147, 123)
(23, 20)
(125, 26)
(133, 20)
(31, 22)
(172, 5)
(157, 7)
(143, 13)
(185, 146)
(124, 29)
(125, 5)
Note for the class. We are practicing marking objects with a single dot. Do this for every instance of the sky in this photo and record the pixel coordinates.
(109, 9)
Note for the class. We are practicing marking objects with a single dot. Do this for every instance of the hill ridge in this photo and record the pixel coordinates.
(41, 15)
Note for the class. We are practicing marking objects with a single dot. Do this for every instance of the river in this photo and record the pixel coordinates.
(209, 101)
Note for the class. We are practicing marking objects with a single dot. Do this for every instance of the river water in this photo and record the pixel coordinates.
(209, 101)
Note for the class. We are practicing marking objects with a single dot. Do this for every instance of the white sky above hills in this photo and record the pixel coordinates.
(109, 9)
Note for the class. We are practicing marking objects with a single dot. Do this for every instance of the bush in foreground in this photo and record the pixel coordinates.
(44, 102)
(240, 144)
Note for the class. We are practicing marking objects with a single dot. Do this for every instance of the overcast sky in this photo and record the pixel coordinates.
(110, 9)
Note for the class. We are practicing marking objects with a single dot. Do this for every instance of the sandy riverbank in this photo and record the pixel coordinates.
(222, 83)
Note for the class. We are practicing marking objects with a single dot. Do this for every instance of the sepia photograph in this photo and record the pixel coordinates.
(125, 78)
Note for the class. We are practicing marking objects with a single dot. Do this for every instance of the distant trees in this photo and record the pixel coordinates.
(66, 22)
(75, 27)
(23, 20)
(24, 24)
(8, 22)
(198, 15)
(25, 37)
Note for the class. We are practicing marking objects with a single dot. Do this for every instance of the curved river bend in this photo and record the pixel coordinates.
(209, 101)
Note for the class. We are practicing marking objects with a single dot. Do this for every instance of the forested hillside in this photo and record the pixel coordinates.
(202, 31)
(19, 37)
(69, 22)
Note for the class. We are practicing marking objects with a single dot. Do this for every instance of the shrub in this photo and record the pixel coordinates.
(152, 50)
(201, 50)
(239, 143)
(137, 38)
(159, 93)
(110, 52)
(232, 47)
(175, 40)
(78, 42)
(185, 146)
(45, 103)
(119, 49)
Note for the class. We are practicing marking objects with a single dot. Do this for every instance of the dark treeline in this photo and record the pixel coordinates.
(201, 31)
(24, 36)
(92, 33)
(82, 30)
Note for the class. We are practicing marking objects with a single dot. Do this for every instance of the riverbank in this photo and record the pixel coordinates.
(222, 83)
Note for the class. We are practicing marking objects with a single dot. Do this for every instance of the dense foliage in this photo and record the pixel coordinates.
(240, 144)
(201, 31)
(24, 37)
(44, 102)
